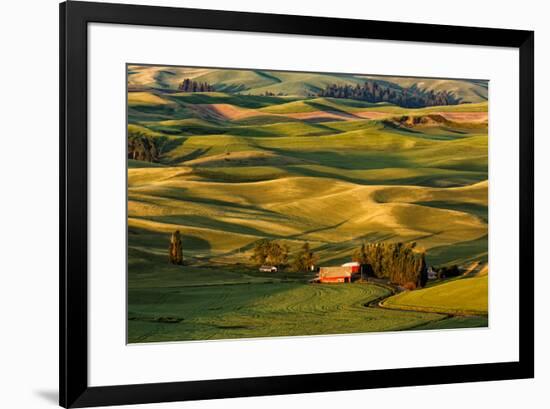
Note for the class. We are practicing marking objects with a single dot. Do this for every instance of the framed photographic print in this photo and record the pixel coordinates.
(258, 204)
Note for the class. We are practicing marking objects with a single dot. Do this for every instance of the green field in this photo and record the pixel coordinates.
(261, 310)
(236, 166)
(465, 296)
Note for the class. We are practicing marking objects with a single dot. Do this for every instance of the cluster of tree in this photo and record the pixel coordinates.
(188, 85)
(142, 147)
(447, 272)
(175, 249)
(270, 252)
(273, 253)
(305, 259)
(272, 94)
(372, 91)
(401, 263)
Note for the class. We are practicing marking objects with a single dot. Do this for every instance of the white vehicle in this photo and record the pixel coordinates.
(268, 269)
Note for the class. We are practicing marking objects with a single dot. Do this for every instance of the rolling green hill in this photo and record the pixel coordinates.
(234, 168)
(405, 182)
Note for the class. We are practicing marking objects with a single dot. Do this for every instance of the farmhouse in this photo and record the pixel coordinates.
(346, 273)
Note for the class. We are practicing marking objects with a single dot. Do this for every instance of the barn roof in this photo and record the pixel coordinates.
(328, 272)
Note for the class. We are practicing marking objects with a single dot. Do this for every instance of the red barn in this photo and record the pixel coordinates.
(343, 274)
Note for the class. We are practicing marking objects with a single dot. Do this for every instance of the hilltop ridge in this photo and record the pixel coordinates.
(260, 82)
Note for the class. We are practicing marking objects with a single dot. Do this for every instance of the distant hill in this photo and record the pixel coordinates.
(258, 82)
(468, 90)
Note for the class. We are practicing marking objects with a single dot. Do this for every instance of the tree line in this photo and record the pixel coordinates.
(270, 252)
(372, 91)
(400, 263)
(188, 85)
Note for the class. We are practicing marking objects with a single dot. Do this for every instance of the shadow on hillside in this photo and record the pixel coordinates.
(211, 223)
(194, 154)
(461, 252)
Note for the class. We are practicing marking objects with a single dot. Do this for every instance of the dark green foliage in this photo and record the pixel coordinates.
(272, 94)
(175, 253)
(188, 85)
(142, 147)
(305, 259)
(371, 91)
(398, 262)
(447, 272)
(278, 254)
(270, 252)
(360, 255)
(260, 252)
(423, 279)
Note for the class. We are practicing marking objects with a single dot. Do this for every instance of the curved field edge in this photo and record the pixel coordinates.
(465, 296)
(262, 310)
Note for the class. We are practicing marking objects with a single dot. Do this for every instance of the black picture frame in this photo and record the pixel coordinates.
(73, 257)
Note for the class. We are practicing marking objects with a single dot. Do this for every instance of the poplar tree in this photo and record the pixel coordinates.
(401, 263)
(175, 252)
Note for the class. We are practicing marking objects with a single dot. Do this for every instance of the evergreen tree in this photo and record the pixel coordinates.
(188, 85)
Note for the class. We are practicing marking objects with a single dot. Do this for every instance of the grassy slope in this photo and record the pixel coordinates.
(289, 175)
(465, 296)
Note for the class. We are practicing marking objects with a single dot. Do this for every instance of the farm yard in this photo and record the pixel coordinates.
(266, 157)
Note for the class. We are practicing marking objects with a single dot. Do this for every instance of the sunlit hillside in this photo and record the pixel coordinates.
(261, 157)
